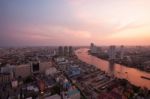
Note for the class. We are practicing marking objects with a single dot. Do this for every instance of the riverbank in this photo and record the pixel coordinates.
(93, 82)
(131, 74)
(124, 63)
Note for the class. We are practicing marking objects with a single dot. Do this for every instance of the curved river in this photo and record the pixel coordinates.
(131, 74)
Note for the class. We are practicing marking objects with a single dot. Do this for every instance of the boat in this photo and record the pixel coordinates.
(145, 77)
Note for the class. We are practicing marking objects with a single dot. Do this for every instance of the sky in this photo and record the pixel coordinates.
(74, 22)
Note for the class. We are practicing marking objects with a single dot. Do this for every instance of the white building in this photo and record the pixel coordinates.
(14, 83)
(51, 71)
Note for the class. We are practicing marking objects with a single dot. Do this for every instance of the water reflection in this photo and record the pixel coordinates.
(131, 74)
(111, 71)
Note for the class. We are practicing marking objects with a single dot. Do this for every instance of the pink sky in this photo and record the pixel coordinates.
(76, 22)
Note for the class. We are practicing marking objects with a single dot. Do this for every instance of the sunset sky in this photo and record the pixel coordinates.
(74, 22)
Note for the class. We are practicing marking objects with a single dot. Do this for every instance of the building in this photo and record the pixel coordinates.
(4, 78)
(35, 68)
(14, 83)
(70, 50)
(94, 49)
(8, 70)
(111, 95)
(73, 71)
(66, 84)
(51, 71)
(74, 94)
(122, 52)
(60, 51)
(66, 51)
(23, 70)
(112, 52)
(56, 96)
(26, 69)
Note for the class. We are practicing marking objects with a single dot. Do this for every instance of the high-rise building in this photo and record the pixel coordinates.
(70, 50)
(66, 50)
(94, 49)
(121, 52)
(60, 51)
(112, 52)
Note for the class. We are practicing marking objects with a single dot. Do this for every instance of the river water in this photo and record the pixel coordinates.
(131, 74)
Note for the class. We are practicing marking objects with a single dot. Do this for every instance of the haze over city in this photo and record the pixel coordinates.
(74, 22)
(74, 49)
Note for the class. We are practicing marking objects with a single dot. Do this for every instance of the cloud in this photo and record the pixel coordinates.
(45, 35)
(74, 22)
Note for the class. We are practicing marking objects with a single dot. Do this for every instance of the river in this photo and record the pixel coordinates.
(131, 74)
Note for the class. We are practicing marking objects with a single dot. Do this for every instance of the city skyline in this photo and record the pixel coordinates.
(74, 22)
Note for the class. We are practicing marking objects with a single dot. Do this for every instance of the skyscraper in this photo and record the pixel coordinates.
(60, 51)
(70, 50)
(93, 49)
(112, 52)
(121, 52)
(66, 51)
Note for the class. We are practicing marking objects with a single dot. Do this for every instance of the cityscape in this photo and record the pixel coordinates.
(75, 49)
